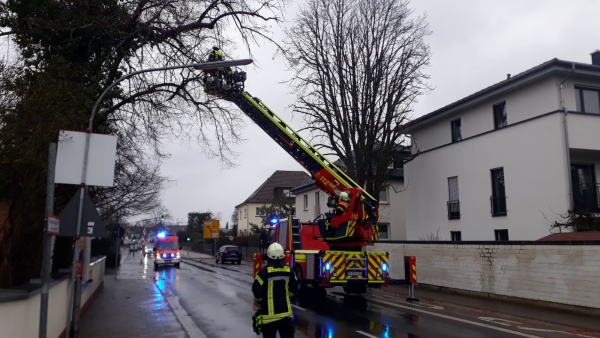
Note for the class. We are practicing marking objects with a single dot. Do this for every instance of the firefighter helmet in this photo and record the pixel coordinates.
(216, 47)
(275, 251)
(344, 196)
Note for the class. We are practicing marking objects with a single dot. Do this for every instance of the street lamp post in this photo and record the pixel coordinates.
(199, 66)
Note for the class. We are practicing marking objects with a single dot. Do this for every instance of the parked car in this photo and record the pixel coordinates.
(149, 249)
(229, 253)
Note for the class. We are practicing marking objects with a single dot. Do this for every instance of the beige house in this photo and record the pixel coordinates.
(279, 184)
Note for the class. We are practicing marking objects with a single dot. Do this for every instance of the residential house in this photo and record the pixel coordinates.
(279, 184)
(312, 202)
(502, 163)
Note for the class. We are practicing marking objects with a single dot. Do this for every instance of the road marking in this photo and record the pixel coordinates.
(556, 331)
(299, 308)
(220, 277)
(366, 334)
(461, 320)
(499, 321)
(431, 306)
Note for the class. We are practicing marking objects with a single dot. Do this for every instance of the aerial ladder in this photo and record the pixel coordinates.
(326, 252)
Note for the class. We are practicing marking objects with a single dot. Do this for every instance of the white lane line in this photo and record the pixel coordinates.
(555, 331)
(184, 318)
(299, 308)
(461, 320)
(220, 277)
(366, 334)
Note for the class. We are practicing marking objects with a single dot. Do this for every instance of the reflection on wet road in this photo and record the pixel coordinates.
(219, 302)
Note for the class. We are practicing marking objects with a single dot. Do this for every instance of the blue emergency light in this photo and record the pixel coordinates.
(274, 220)
(161, 235)
(384, 267)
(327, 266)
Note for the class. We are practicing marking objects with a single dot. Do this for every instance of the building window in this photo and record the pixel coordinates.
(456, 236)
(456, 133)
(501, 235)
(498, 198)
(500, 120)
(383, 196)
(453, 201)
(240, 216)
(384, 230)
(260, 211)
(588, 100)
(245, 213)
(305, 202)
(317, 204)
(288, 193)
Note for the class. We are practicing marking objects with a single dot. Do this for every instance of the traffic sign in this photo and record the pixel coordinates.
(53, 225)
(231, 238)
(91, 222)
(211, 228)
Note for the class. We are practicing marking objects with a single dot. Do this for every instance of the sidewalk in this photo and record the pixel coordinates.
(130, 308)
(486, 306)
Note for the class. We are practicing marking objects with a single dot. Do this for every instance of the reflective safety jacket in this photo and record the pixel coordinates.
(341, 208)
(273, 287)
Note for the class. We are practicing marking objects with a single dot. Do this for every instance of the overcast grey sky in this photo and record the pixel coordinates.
(474, 44)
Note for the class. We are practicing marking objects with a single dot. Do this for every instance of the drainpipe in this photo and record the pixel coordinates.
(566, 130)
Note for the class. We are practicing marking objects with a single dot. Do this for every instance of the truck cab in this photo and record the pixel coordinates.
(166, 251)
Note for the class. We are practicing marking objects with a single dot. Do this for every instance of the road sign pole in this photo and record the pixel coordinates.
(46, 260)
(74, 278)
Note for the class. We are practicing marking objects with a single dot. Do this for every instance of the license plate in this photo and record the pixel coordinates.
(354, 273)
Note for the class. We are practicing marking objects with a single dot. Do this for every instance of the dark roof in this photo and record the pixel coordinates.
(307, 184)
(554, 66)
(586, 236)
(266, 192)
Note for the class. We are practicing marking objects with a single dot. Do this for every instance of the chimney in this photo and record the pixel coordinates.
(507, 76)
(596, 57)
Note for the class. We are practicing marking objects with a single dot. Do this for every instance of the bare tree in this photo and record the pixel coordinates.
(69, 52)
(431, 237)
(574, 220)
(358, 72)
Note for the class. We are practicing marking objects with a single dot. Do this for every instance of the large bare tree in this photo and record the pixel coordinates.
(359, 69)
(68, 52)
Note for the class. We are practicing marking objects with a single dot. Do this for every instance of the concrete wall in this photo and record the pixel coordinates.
(21, 318)
(584, 131)
(566, 274)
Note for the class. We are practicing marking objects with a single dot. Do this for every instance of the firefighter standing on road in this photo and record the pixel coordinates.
(273, 287)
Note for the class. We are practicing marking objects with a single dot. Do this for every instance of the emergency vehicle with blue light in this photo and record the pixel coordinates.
(166, 250)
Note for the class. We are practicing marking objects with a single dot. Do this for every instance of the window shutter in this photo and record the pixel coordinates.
(453, 188)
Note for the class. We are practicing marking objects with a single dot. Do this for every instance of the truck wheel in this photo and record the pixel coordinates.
(155, 266)
(177, 265)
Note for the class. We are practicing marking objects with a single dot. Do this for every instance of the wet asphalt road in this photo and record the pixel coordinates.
(219, 301)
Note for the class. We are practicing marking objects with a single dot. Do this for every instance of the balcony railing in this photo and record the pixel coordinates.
(498, 205)
(586, 197)
(453, 209)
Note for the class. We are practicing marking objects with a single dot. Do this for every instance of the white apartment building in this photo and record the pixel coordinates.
(496, 164)
(312, 202)
(279, 184)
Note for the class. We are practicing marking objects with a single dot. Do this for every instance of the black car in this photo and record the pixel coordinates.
(229, 253)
